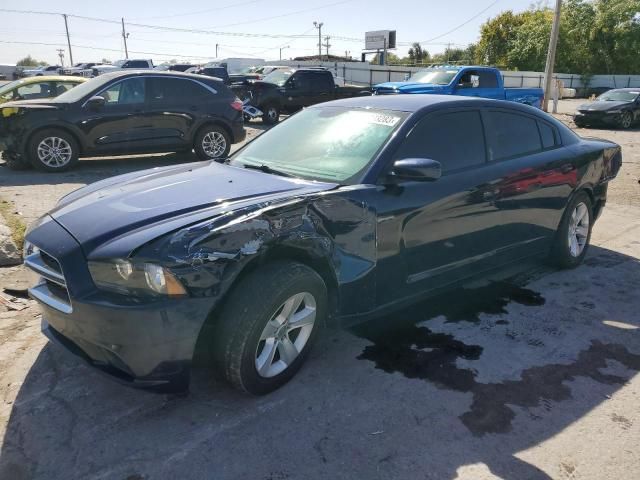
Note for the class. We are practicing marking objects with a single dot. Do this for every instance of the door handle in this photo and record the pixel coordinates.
(566, 168)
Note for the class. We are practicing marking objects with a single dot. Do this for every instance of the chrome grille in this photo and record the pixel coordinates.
(51, 288)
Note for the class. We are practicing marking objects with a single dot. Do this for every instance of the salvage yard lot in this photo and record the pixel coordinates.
(530, 378)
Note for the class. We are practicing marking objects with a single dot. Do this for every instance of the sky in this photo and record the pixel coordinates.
(240, 28)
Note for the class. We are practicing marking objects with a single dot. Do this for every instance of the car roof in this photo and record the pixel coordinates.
(155, 73)
(628, 89)
(403, 103)
(52, 78)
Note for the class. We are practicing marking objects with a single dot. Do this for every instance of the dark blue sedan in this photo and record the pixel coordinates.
(347, 210)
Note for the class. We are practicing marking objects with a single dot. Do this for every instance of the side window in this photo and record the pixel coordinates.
(176, 91)
(302, 82)
(547, 135)
(62, 87)
(487, 80)
(127, 92)
(322, 83)
(33, 90)
(511, 135)
(455, 139)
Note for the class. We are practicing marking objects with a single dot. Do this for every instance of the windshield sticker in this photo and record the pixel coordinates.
(383, 119)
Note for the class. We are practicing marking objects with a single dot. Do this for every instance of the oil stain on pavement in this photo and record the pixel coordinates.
(418, 353)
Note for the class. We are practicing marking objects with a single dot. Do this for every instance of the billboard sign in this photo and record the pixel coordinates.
(376, 40)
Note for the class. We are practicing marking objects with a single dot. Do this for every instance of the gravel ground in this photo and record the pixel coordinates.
(534, 378)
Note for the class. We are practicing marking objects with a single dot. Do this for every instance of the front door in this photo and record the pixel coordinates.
(120, 124)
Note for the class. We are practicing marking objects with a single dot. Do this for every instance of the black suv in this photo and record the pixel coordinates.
(123, 113)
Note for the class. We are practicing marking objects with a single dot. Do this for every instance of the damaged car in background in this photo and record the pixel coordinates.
(348, 210)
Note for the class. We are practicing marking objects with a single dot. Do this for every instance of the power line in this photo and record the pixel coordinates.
(462, 24)
(199, 12)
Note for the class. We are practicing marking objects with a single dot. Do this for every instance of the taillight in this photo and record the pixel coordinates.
(237, 105)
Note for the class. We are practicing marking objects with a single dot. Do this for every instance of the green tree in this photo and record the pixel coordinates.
(29, 61)
(417, 54)
(496, 38)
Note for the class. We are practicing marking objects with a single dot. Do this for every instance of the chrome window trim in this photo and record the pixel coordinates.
(207, 87)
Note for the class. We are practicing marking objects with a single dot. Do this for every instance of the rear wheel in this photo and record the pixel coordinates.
(573, 234)
(268, 325)
(270, 114)
(626, 120)
(53, 150)
(212, 143)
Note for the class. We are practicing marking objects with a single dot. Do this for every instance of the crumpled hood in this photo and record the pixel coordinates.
(602, 106)
(409, 87)
(161, 200)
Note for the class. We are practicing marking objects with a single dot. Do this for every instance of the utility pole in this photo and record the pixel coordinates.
(217, 45)
(448, 52)
(551, 55)
(327, 45)
(61, 55)
(125, 35)
(282, 48)
(66, 27)
(319, 25)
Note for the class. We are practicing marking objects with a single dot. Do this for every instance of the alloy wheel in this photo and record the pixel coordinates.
(626, 120)
(54, 152)
(578, 230)
(214, 144)
(285, 334)
(272, 113)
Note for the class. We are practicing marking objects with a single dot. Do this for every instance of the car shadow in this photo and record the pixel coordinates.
(500, 367)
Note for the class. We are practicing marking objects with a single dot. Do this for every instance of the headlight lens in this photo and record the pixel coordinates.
(614, 111)
(129, 278)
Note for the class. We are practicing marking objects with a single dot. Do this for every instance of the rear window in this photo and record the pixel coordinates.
(176, 90)
(547, 135)
(511, 135)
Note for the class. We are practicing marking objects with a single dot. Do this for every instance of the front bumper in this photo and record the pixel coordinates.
(597, 118)
(142, 343)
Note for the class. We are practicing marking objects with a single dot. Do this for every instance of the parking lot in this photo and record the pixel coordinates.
(530, 376)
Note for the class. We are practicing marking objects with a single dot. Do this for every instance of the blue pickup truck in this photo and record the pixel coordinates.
(469, 81)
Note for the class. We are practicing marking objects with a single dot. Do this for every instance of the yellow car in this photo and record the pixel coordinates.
(38, 87)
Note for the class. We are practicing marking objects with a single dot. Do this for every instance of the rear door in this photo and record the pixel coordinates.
(533, 176)
(322, 87)
(174, 106)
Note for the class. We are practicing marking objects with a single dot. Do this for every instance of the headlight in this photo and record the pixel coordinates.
(8, 111)
(614, 111)
(123, 276)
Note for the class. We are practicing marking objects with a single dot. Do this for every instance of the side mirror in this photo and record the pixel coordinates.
(417, 169)
(96, 103)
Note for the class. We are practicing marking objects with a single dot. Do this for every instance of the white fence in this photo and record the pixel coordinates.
(364, 74)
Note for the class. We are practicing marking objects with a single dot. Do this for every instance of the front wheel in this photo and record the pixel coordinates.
(212, 143)
(53, 150)
(268, 325)
(573, 235)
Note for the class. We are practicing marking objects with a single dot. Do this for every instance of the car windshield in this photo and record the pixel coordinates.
(436, 77)
(7, 87)
(83, 89)
(323, 143)
(618, 96)
(279, 77)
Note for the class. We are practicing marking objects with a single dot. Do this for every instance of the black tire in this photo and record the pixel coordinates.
(270, 114)
(52, 133)
(579, 124)
(15, 163)
(562, 254)
(214, 133)
(253, 304)
(626, 120)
